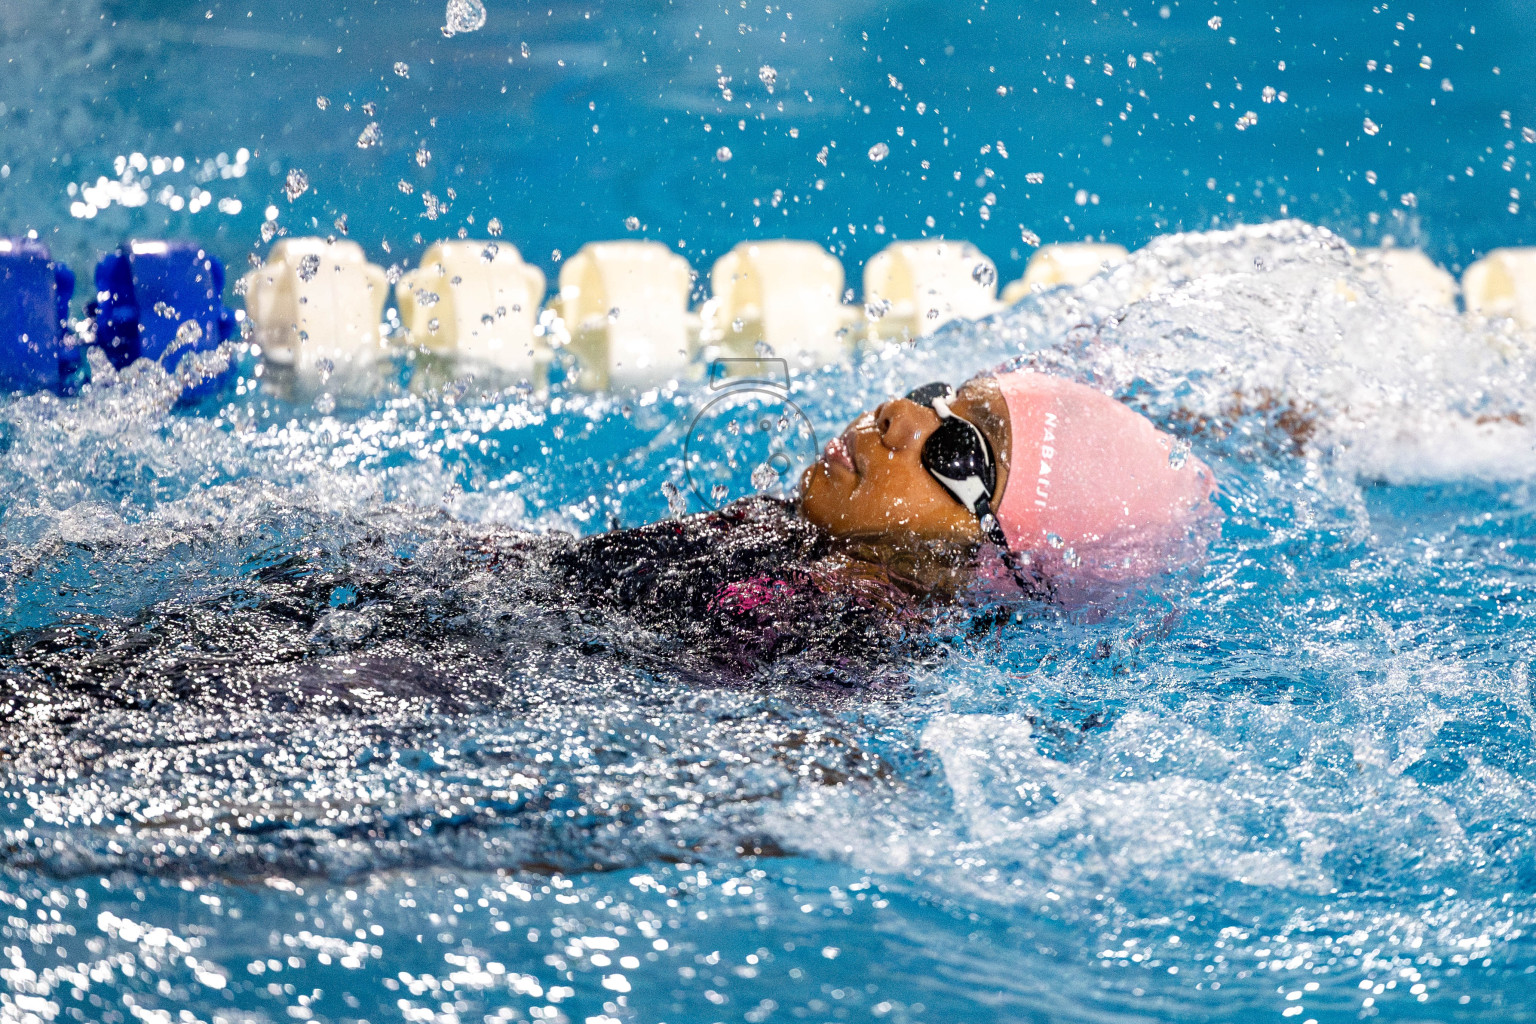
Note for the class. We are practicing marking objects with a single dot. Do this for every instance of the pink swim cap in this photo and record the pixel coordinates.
(1092, 482)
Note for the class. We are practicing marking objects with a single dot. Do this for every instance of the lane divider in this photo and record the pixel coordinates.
(911, 289)
(477, 301)
(622, 310)
(36, 350)
(1503, 284)
(317, 305)
(162, 301)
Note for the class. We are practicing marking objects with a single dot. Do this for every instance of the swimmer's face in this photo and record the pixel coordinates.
(870, 482)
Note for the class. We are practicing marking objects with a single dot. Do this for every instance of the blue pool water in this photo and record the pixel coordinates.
(276, 750)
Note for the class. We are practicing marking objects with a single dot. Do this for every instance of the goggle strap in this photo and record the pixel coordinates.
(1033, 582)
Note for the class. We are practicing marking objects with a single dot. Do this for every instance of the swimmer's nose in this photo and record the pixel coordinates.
(904, 424)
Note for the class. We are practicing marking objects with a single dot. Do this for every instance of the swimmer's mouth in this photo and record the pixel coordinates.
(838, 453)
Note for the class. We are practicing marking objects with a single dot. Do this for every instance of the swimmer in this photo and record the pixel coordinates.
(1017, 492)
(1016, 487)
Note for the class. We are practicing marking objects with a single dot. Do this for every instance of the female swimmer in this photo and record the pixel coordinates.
(1016, 486)
(1017, 489)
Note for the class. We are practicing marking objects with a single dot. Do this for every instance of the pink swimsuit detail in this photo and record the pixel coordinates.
(1092, 482)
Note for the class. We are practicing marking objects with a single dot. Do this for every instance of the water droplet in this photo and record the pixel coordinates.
(494, 227)
(877, 308)
(1371, 127)
(879, 151)
(984, 274)
(1528, 134)
(1215, 22)
(325, 367)
(719, 492)
(613, 315)
(488, 254)
(1179, 453)
(1027, 236)
(764, 477)
(405, 186)
(464, 16)
(677, 502)
(402, 69)
(426, 299)
(433, 324)
(1035, 177)
(371, 135)
(1054, 540)
(523, 49)
(325, 404)
(309, 266)
(187, 335)
(296, 184)
(1425, 62)
(169, 312)
(768, 76)
(723, 154)
(322, 102)
(632, 223)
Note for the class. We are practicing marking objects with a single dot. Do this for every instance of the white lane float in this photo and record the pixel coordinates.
(478, 302)
(318, 306)
(911, 289)
(1407, 275)
(1065, 263)
(786, 294)
(1503, 284)
(622, 311)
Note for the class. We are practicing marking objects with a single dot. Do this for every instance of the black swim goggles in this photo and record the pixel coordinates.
(959, 456)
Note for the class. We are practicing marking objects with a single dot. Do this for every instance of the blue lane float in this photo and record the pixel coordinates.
(34, 319)
(162, 301)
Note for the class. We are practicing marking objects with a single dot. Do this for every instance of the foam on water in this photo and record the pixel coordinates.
(275, 726)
